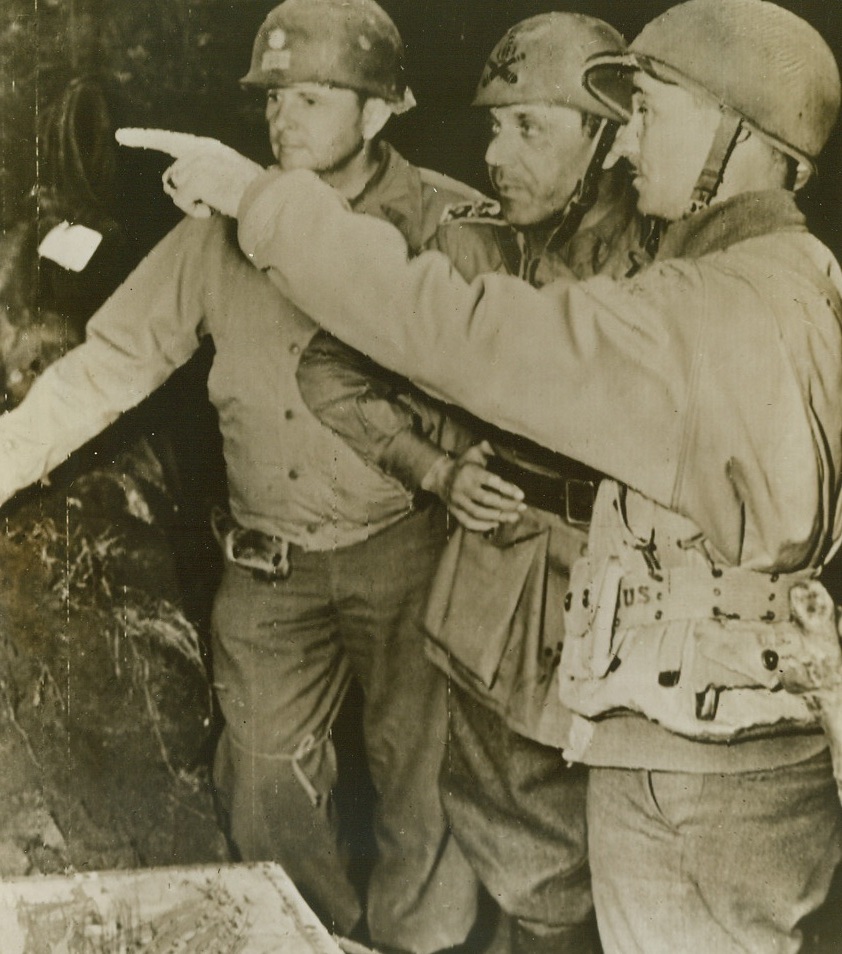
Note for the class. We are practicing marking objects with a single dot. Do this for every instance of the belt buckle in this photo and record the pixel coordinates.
(579, 499)
(255, 551)
(267, 558)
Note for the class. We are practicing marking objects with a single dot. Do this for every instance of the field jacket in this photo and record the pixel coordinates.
(709, 386)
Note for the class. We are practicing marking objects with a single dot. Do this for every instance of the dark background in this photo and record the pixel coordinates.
(176, 63)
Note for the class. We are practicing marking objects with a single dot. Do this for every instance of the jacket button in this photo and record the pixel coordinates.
(294, 349)
(289, 415)
(770, 659)
(293, 475)
(312, 527)
(568, 600)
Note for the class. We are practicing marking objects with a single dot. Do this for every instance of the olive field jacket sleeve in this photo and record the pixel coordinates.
(709, 385)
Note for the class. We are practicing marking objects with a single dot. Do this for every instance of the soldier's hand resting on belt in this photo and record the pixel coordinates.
(478, 499)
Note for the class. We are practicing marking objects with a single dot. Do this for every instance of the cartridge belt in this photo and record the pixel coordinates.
(647, 599)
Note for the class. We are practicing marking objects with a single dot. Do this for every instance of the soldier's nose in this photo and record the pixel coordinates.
(625, 144)
(490, 154)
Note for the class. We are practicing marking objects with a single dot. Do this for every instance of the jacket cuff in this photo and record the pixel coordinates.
(263, 202)
(409, 457)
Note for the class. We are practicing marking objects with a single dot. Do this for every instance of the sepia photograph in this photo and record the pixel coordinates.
(420, 477)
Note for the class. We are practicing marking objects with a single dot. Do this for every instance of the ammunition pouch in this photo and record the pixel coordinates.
(495, 619)
(691, 650)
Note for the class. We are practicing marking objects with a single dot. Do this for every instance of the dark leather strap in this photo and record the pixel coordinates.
(570, 495)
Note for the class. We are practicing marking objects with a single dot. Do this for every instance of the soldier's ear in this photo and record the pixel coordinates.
(376, 113)
(803, 174)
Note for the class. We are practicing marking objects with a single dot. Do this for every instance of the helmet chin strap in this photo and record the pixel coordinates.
(586, 191)
(710, 179)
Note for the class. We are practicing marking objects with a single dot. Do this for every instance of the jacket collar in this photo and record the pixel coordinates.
(746, 216)
(395, 193)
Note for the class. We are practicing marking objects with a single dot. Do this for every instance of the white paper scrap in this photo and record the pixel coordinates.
(71, 246)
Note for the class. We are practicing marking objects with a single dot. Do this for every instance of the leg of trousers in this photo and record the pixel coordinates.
(422, 894)
(280, 675)
(283, 654)
(711, 863)
(519, 813)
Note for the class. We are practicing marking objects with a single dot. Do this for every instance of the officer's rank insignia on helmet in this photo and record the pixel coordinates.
(502, 64)
(276, 57)
(352, 44)
(483, 210)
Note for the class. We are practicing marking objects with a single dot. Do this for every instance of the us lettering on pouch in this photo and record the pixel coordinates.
(632, 595)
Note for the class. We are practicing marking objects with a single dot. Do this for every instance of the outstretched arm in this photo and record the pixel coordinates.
(145, 330)
(200, 160)
(508, 353)
(635, 378)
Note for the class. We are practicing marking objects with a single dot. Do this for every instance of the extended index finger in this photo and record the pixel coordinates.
(175, 144)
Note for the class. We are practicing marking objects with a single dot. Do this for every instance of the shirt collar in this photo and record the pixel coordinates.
(611, 215)
(394, 193)
(586, 251)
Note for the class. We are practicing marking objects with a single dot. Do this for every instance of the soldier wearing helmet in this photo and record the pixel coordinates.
(776, 82)
(558, 213)
(707, 387)
(309, 596)
(340, 66)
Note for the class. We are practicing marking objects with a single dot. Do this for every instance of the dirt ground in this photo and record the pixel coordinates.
(105, 707)
(106, 721)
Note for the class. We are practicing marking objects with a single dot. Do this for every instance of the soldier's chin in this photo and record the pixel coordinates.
(291, 159)
(519, 214)
(654, 202)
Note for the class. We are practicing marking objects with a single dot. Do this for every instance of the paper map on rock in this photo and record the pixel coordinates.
(233, 909)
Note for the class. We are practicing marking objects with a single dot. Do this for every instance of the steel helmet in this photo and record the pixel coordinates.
(346, 43)
(542, 60)
(752, 57)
